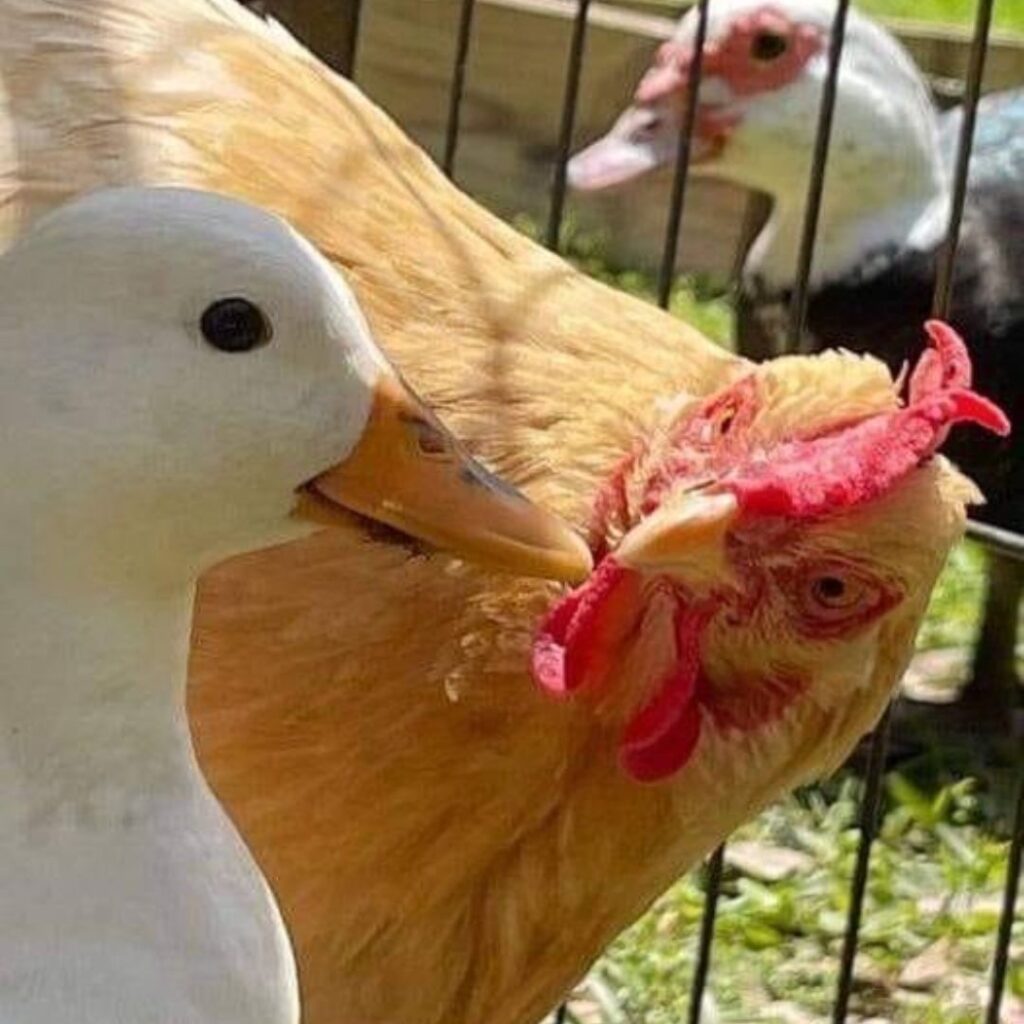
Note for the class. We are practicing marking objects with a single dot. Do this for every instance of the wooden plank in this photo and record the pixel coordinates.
(515, 81)
(324, 26)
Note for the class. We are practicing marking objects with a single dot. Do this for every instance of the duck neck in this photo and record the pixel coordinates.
(849, 246)
(92, 706)
(122, 880)
(867, 218)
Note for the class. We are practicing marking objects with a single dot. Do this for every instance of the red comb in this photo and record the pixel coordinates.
(945, 364)
(808, 479)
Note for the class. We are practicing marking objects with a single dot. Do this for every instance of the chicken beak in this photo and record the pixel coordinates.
(409, 472)
(686, 536)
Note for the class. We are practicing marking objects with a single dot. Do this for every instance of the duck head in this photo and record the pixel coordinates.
(187, 378)
(764, 67)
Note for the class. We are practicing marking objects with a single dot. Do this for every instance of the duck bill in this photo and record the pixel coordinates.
(611, 161)
(409, 472)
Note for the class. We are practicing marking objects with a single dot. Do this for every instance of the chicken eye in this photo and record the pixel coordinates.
(830, 597)
(834, 592)
(768, 46)
(235, 325)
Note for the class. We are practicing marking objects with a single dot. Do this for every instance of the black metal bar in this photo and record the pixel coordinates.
(682, 165)
(755, 214)
(713, 884)
(553, 235)
(972, 93)
(871, 805)
(1002, 955)
(816, 187)
(348, 66)
(1004, 542)
(451, 134)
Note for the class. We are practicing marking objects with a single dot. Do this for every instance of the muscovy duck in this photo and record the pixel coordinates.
(884, 216)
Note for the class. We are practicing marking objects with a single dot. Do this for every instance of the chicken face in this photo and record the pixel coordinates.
(763, 550)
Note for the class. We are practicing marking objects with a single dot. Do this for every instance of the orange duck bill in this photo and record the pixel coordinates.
(410, 473)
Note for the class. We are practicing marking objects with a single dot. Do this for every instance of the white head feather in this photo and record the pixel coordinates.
(886, 181)
(113, 402)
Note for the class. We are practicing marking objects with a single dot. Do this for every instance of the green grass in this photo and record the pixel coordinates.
(936, 878)
(1008, 14)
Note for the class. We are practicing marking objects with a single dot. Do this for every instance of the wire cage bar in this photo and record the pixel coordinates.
(816, 185)
(454, 122)
(1001, 960)
(681, 172)
(870, 812)
(348, 65)
(574, 70)
(972, 95)
(705, 943)
(1004, 542)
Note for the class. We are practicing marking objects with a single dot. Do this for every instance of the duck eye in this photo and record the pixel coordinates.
(235, 325)
(768, 46)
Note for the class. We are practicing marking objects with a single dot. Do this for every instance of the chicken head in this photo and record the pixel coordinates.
(760, 551)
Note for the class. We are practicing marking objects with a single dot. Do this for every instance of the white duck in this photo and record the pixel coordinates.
(174, 367)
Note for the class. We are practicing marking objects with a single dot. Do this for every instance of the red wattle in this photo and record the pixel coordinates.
(547, 660)
(580, 637)
(663, 735)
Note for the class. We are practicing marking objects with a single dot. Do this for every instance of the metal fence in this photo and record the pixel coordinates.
(1002, 542)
